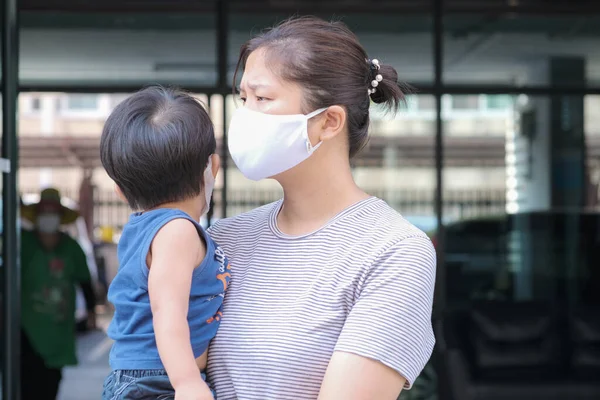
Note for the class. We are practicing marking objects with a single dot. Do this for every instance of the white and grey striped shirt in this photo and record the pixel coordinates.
(361, 284)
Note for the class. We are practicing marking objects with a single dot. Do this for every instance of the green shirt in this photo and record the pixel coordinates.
(48, 280)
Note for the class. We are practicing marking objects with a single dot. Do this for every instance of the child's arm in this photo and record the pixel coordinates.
(176, 250)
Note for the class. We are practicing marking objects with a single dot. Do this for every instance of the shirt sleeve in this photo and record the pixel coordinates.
(390, 320)
(81, 271)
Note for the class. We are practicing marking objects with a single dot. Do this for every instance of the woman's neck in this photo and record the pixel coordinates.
(310, 202)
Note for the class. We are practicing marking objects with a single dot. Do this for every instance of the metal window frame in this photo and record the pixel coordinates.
(10, 270)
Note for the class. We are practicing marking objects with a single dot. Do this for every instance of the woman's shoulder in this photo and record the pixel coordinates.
(379, 220)
(395, 245)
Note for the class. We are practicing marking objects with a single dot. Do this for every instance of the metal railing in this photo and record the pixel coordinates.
(458, 204)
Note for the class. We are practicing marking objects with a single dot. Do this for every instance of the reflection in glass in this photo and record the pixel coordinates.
(521, 282)
(512, 49)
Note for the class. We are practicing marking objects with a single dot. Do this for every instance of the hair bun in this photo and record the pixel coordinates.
(388, 91)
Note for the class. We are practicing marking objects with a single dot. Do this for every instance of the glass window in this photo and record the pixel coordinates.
(469, 102)
(520, 246)
(521, 49)
(54, 147)
(401, 145)
(426, 103)
(521, 210)
(35, 104)
(118, 49)
(116, 98)
(499, 102)
(82, 102)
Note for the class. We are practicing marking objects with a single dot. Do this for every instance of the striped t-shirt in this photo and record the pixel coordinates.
(362, 284)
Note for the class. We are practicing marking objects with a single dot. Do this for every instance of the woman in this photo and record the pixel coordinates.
(332, 290)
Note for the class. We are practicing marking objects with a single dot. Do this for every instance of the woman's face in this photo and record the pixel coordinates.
(263, 91)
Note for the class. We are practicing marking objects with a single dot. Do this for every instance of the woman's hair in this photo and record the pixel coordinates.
(332, 67)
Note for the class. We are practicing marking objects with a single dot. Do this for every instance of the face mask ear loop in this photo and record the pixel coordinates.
(309, 147)
(315, 113)
(209, 164)
(208, 171)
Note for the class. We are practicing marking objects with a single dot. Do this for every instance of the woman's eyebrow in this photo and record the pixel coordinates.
(252, 85)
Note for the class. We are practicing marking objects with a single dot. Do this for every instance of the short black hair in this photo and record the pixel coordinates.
(156, 144)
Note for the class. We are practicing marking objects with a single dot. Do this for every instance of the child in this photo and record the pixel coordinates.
(158, 146)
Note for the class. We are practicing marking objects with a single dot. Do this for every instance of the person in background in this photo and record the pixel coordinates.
(52, 264)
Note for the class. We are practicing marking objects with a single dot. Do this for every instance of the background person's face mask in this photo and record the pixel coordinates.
(48, 222)
(209, 185)
(264, 145)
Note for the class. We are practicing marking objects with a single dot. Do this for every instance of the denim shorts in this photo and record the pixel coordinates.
(139, 385)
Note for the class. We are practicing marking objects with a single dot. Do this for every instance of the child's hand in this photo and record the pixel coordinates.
(193, 391)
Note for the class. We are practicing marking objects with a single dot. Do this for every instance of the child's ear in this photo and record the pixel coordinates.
(119, 193)
(216, 164)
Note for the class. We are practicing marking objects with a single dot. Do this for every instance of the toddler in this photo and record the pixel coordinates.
(159, 146)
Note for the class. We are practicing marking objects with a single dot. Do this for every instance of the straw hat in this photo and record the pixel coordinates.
(49, 199)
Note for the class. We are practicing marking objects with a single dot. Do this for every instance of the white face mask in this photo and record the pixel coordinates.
(48, 223)
(209, 185)
(264, 145)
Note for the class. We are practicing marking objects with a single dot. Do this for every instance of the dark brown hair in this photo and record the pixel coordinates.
(155, 145)
(328, 61)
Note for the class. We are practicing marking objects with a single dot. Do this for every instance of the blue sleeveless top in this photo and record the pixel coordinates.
(131, 328)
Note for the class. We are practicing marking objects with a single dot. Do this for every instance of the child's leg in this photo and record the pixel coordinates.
(138, 385)
(153, 386)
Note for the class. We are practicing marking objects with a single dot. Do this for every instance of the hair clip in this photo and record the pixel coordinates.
(374, 65)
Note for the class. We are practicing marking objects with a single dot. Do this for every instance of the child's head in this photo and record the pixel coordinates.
(156, 145)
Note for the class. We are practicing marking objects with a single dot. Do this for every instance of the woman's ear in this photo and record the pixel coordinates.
(332, 122)
(215, 163)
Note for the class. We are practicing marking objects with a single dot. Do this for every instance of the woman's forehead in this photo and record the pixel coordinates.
(256, 77)
(258, 72)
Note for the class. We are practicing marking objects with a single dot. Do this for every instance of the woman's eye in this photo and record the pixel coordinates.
(242, 99)
(258, 98)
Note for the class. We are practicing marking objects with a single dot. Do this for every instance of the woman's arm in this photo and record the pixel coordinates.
(354, 377)
(387, 338)
(175, 252)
